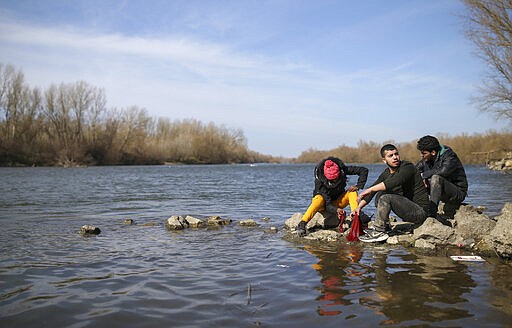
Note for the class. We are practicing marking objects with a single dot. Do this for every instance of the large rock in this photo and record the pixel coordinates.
(432, 233)
(194, 222)
(501, 235)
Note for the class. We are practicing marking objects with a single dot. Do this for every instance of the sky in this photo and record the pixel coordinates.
(291, 74)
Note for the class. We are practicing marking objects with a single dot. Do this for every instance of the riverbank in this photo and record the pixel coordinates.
(471, 230)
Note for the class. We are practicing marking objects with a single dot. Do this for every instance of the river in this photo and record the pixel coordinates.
(142, 275)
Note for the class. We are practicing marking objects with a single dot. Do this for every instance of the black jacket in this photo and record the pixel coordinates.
(446, 164)
(331, 190)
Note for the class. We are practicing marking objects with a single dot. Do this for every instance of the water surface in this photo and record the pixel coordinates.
(143, 275)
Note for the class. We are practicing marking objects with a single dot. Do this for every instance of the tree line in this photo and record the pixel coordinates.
(471, 149)
(70, 125)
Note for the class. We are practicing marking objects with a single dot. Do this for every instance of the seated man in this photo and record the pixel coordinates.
(399, 189)
(329, 193)
(444, 177)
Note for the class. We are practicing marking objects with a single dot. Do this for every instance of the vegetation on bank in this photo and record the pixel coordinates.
(471, 149)
(69, 125)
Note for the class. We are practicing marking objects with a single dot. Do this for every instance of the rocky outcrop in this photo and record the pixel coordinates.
(501, 235)
(471, 230)
(504, 164)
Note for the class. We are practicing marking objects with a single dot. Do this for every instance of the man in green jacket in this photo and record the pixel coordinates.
(444, 176)
(400, 189)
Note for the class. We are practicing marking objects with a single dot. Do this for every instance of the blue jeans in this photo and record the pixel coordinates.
(404, 208)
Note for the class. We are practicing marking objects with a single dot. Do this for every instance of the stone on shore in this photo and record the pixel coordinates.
(501, 235)
(321, 220)
(471, 230)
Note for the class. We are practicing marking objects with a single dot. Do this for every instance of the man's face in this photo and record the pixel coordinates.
(391, 158)
(428, 156)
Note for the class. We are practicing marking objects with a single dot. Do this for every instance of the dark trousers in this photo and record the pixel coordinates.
(442, 190)
(404, 208)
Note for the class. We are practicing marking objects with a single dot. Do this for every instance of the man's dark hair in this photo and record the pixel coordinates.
(428, 143)
(385, 148)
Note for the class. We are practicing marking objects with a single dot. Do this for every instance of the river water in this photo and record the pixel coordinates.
(142, 275)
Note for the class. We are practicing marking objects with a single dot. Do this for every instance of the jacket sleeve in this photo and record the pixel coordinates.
(361, 171)
(446, 166)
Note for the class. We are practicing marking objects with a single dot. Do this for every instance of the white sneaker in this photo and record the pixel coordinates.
(373, 236)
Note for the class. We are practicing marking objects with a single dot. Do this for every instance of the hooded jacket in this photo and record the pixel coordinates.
(332, 189)
(446, 164)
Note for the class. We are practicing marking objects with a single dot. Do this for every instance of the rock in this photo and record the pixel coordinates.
(401, 239)
(194, 222)
(432, 233)
(89, 230)
(324, 235)
(321, 220)
(471, 226)
(217, 221)
(248, 223)
(504, 164)
(176, 222)
(128, 221)
(501, 235)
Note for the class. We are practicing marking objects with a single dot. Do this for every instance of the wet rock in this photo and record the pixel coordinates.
(89, 230)
(271, 230)
(248, 223)
(501, 235)
(217, 221)
(194, 222)
(321, 220)
(128, 221)
(324, 235)
(176, 222)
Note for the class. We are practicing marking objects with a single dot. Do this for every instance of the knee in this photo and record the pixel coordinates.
(435, 180)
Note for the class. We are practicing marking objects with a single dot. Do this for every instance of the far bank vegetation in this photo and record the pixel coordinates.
(471, 149)
(70, 125)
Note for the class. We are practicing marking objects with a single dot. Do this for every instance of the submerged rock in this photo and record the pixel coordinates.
(176, 222)
(194, 222)
(248, 223)
(89, 230)
(217, 221)
(128, 221)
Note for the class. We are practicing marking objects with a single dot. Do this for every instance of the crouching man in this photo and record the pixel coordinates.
(444, 176)
(400, 189)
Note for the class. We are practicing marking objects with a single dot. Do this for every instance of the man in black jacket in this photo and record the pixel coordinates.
(399, 189)
(329, 193)
(444, 176)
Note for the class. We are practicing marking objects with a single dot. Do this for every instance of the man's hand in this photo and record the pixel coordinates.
(363, 194)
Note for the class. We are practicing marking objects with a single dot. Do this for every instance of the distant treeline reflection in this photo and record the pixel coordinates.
(69, 124)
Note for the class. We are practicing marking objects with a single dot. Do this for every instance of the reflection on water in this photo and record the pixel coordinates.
(144, 275)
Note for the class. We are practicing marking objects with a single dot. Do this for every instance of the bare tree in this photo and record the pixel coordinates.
(489, 27)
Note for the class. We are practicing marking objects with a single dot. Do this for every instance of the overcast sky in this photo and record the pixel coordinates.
(291, 74)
